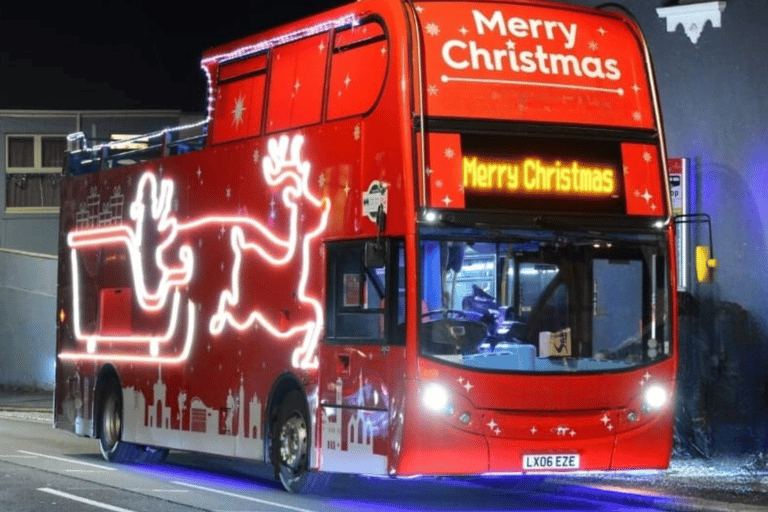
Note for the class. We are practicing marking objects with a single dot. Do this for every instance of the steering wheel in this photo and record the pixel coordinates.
(461, 315)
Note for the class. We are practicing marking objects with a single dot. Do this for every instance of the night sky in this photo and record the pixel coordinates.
(118, 55)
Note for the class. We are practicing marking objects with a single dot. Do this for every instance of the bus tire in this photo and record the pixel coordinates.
(113, 448)
(290, 445)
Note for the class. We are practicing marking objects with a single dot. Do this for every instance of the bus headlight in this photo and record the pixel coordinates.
(434, 397)
(654, 398)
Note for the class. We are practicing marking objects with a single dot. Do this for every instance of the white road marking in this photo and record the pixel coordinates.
(241, 496)
(99, 504)
(17, 456)
(106, 468)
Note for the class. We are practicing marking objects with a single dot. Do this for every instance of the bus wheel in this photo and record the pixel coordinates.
(112, 447)
(290, 444)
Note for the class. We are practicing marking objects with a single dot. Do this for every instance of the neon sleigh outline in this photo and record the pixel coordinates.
(282, 166)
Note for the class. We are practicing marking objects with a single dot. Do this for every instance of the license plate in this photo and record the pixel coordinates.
(551, 461)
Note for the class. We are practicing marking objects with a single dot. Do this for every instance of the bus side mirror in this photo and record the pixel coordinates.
(705, 259)
(705, 266)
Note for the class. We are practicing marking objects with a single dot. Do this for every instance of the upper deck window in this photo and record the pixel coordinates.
(296, 83)
(240, 100)
(33, 173)
(358, 69)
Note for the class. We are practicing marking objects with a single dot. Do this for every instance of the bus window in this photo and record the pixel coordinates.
(358, 68)
(296, 83)
(240, 99)
(358, 305)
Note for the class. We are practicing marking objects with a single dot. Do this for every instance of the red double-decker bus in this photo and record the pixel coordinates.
(425, 237)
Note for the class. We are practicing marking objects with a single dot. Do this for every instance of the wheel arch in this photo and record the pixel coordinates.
(284, 384)
(107, 378)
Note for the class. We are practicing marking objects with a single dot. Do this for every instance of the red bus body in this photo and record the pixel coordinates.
(213, 283)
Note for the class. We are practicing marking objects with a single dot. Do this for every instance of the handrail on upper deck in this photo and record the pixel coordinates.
(83, 158)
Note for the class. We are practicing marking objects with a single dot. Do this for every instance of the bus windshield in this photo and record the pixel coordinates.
(545, 302)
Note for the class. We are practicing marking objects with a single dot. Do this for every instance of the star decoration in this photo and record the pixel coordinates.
(467, 386)
(347, 189)
(637, 116)
(492, 424)
(647, 196)
(432, 29)
(321, 47)
(346, 81)
(647, 157)
(573, 432)
(256, 156)
(602, 31)
(610, 427)
(534, 430)
(605, 419)
(647, 376)
(463, 30)
(383, 50)
(429, 171)
(199, 173)
(460, 380)
(420, 9)
(321, 180)
(510, 44)
(296, 85)
(238, 111)
(447, 200)
(228, 192)
(636, 88)
(356, 132)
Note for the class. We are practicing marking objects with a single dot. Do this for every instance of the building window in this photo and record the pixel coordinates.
(33, 173)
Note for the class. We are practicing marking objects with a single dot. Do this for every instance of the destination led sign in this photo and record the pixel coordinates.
(537, 176)
(541, 174)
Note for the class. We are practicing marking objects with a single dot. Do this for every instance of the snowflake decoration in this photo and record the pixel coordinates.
(647, 157)
(593, 46)
(228, 192)
(637, 116)
(432, 29)
(356, 132)
(439, 183)
(602, 31)
(432, 90)
(256, 156)
(463, 30)
(626, 169)
(636, 88)
(347, 188)
(321, 180)
(420, 9)
(238, 111)
(429, 171)
(449, 153)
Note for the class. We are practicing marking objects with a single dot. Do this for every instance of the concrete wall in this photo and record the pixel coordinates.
(27, 319)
